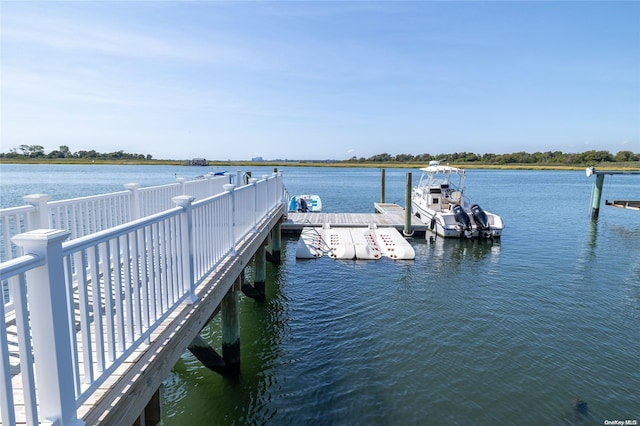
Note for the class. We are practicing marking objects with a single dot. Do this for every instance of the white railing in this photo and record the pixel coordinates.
(87, 304)
(87, 215)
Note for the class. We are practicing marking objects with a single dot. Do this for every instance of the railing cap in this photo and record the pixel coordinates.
(40, 238)
(35, 199)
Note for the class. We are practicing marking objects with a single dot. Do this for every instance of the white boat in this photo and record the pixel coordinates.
(439, 201)
(305, 203)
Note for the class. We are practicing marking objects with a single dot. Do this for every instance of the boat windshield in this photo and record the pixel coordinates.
(443, 177)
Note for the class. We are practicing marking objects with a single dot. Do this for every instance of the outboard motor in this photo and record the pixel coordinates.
(463, 219)
(482, 221)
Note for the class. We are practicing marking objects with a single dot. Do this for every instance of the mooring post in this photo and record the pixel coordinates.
(407, 207)
(231, 328)
(382, 184)
(597, 195)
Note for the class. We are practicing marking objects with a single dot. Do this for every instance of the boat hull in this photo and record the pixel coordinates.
(445, 224)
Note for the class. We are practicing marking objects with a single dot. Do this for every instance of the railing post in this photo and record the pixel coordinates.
(41, 216)
(134, 200)
(186, 243)
(267, 197)
(181, 181)
(231, 189)
(209, 177)
(50, 326)
(252, 181)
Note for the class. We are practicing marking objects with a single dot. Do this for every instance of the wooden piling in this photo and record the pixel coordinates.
(597, 187)
(276, 245)
(407, 207)
(231, 328)
(260, 271)
(597, 195)
(382, 185)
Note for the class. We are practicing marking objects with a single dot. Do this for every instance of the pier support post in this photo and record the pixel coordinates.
(407, 207)
(382, 185)
(597, 195)
(276, 243)
(260, 270)
(257, 290)
(231, 329)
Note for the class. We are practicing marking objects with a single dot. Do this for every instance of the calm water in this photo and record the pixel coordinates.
(468, 333)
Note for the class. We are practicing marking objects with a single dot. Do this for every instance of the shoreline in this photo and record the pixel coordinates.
(628, 166)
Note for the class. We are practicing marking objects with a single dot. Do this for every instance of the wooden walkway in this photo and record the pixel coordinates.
(388, 215)
(124, 395)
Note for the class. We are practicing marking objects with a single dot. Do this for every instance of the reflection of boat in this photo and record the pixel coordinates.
(438, 200)
(305, 203)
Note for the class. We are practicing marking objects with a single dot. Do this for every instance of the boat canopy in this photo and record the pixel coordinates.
(436, 175)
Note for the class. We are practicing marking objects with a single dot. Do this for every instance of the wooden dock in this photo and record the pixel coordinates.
(625, 204)
(386, 215)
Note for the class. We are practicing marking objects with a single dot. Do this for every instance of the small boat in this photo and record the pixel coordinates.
(438, 201)
(305, 203)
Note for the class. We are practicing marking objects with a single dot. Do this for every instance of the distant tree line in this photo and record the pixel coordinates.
(37, 151)
(548, 157)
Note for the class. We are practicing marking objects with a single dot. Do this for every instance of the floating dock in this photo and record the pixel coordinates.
(353, 235)
(387, 216)
(369, 243)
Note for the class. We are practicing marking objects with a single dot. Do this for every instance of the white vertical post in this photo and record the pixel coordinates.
(181, 181)
(41, 217)
(209, 176)
(267, 198)
(239, 181)
(252, 181)
(134, 200)
(186, 243)
(230, 187)
(50, 326)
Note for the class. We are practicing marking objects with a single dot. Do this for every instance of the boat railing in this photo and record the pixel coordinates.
(95, 300)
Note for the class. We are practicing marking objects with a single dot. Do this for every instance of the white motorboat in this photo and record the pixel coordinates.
(305, 203)
(438, 200)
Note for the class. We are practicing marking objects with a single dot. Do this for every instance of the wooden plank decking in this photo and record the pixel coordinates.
(389, 215)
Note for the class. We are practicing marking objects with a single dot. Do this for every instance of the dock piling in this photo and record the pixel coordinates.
(274, 255)
(407, 207)
(260, 271)
(597, 188)
(230, 311)
(382, 185)
(597, 195)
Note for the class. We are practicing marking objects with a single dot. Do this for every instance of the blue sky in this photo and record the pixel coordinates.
(320, 80)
